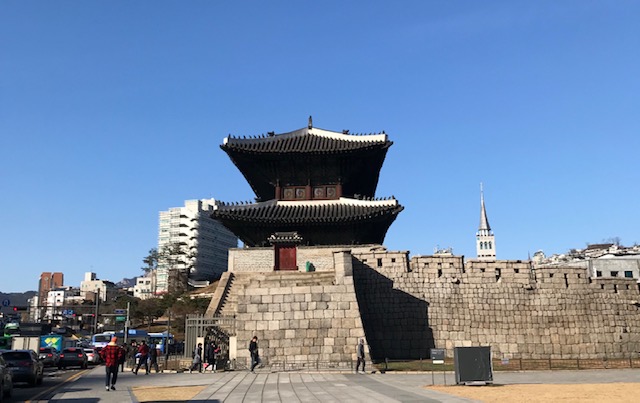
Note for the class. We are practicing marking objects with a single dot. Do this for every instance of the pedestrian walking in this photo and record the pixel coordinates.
(216, 357)
(197, 358)
(360, 355)
(132, 350)
(123, 359)
(253, 350)
(208, 356)
(143, 352)
(112, 354)
(153, 358)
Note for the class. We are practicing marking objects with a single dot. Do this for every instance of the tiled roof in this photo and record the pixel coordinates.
(307, 140)
(308, 212)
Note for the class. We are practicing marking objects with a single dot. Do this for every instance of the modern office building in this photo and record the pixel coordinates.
(199, 245)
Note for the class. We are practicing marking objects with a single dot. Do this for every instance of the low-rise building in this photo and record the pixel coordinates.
(145, 286)
(91, 287)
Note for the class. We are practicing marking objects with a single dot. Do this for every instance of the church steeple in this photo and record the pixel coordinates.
(485, 241)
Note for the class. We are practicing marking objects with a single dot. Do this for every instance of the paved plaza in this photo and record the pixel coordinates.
(290, 387)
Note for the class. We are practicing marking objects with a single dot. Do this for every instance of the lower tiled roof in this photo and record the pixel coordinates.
(331, 222)
(308, 212)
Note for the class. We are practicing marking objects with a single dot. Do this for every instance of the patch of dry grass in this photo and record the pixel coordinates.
(170, 394)
(539, 393)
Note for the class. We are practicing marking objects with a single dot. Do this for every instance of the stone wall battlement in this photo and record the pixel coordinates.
(520, 312)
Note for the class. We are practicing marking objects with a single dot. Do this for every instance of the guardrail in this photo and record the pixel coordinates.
(515, 364)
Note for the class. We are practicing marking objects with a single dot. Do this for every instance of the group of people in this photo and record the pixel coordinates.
(205, 358)
(114, 357)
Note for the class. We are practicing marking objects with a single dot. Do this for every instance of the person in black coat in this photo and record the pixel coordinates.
(253, 349)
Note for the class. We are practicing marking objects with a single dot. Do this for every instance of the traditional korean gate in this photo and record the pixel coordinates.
(285, 257)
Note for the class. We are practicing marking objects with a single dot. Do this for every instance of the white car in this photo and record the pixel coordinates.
(92, 356)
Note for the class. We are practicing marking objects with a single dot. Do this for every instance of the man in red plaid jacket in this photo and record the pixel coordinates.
(113, 355)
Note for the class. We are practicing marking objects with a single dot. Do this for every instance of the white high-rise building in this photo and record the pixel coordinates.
(204, 243)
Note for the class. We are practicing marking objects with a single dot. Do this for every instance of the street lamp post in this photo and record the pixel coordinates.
(126, 323)
(95, 322)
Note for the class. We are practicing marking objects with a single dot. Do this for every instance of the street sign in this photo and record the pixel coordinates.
(120, 311)
(6, 302)
(67, 312)
(437, 355)
(121, 318)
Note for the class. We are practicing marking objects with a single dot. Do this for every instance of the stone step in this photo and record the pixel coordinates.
(274, 279)
(293, 279)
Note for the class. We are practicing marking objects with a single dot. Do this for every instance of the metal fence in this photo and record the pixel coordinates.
(516, 364)
(216, 329)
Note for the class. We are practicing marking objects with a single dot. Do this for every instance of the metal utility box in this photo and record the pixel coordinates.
(473, 365)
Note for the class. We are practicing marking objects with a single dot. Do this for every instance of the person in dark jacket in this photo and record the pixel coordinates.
(253, 350)
(360, 355)
(153, 358)
(208, 355)
(143, 352)
(112, 354)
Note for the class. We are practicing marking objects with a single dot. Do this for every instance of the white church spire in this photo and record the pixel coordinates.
(485, 241)
(484, 221)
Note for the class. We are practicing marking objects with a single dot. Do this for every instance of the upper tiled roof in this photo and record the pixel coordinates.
(306, 140)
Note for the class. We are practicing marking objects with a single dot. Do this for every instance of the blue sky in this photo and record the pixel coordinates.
(113, 111)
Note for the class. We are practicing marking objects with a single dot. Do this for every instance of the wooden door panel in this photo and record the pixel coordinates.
(286, 257)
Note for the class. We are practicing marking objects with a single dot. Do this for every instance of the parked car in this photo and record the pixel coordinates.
(92, 356)
(49, 356)
(72, 357)
(6, 380)
(24, 366)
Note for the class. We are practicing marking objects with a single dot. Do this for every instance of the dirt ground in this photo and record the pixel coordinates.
(170, 394)
(565, 393)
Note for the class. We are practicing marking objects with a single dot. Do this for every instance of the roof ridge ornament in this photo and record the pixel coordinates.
(310, 126)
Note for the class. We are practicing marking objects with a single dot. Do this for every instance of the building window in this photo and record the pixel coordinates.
(598, 273)
(614, 274)
(379, 262)
(628, 274)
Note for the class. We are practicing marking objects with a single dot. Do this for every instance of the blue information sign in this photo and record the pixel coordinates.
(6, 302)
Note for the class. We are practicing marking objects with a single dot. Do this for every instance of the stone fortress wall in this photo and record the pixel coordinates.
(298, 317)
(405, 306)
(556, 313)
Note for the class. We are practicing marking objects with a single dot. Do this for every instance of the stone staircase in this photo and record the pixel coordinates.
(229, 305)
